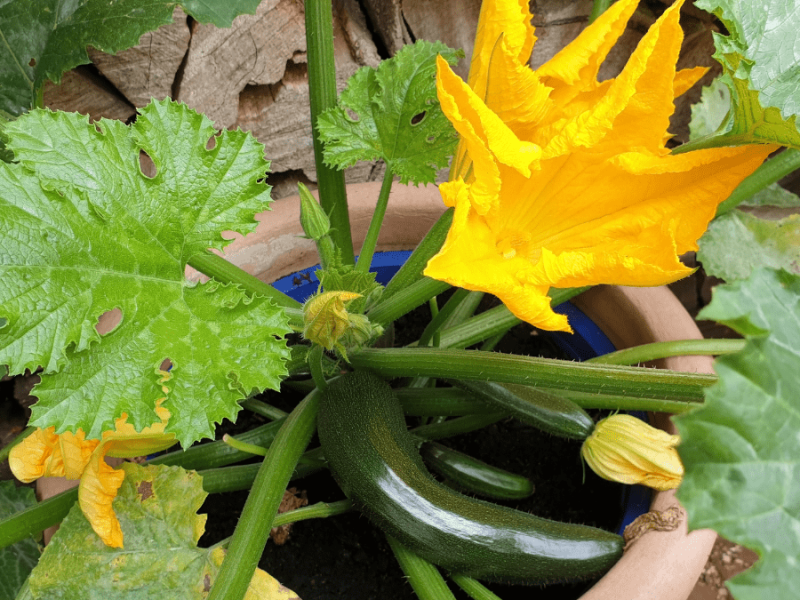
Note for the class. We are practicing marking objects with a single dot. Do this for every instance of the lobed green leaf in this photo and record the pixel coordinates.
(741, 449)
(87, 232)
(392, 113)
(761, 67)
(737, 243)
(157, 510)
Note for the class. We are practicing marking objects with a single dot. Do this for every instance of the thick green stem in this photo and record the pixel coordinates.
(426, 580)
(315, 366)
(244, 446)
(441, 316)
(465, 310)
(527, 370)
(320, 510)
(404, 302)
(656, 350)
(262, 504)
(411, 271)
(767, 174)
(371, 240)
(610, 402)
(322, 96)
(494, 321)
(220, 269)
(474, 588)
(262, 408)
(598, 8)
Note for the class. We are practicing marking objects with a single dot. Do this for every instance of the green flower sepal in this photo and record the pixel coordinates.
(328, 323)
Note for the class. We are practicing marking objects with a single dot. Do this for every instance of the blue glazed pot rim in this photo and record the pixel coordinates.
(587, 342)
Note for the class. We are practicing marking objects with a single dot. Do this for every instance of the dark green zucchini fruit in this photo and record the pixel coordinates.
(474, 476)
(376, 463)
(547, 412)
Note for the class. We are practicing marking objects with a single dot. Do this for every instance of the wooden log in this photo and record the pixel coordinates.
(82, 90)
(149, 69)
(453, 23)
(387, 19)
(254, 77)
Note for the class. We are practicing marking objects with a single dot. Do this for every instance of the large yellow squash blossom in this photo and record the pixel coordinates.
(563, 181)
(45, 453)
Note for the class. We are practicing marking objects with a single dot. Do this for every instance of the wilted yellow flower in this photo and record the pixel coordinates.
(626, 449)
(563, 181)
(45, 453)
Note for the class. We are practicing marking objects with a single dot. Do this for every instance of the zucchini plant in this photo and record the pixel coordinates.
(558, 181)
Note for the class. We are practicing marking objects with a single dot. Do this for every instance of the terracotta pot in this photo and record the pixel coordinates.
(658, 566)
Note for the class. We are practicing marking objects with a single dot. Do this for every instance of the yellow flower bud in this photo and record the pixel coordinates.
(626, 449)
(326, 319)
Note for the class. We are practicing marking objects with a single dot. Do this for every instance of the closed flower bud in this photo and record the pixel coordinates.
(315, 222)
(626, 449)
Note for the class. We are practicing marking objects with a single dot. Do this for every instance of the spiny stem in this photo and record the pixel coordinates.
(426, 580)
(322, 96)
(259, 511)
(527, 370)
(220, 269)
(656, 350)
(768, 173)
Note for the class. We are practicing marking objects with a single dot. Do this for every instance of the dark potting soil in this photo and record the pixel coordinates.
(347, 557)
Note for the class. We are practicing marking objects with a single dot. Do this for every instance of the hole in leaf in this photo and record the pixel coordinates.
(212, 141)
(166, 365)
(430, 139)
(418, 118)
(146, 165)
(32, 62)
(352, 115)
(108, 321)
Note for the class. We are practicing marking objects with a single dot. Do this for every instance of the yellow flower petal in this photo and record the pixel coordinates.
(574, 68)
(96, 492)
(29, 460)
(47, 454)
(595, 196)
(488, 140)
(626, 449)
(509, 20)
(686, 78)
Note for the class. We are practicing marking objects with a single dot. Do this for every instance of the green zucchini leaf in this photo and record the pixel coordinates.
(761, 67)
(737, 243)
(44, 38)
(87, 232)
(709, 113)
(157, 510)
(17, 560)
(741, 450)
(392, 113)
(773, 195)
